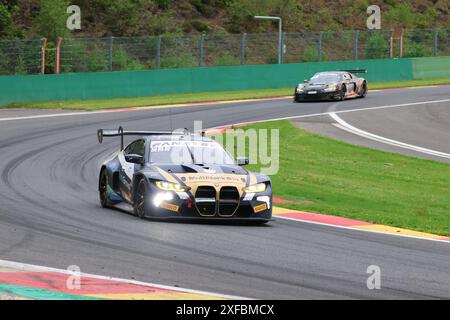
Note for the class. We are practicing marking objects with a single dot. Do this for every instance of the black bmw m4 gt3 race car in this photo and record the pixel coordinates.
(182, 175)
(332, 85)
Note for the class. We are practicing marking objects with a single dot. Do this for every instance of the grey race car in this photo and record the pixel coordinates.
(332, 85)
(168, 175)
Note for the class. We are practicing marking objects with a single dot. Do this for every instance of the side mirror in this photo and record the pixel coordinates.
(305, 81)
(134, 158)
(242, 161)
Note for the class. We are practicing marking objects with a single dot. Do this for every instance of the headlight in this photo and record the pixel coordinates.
(259, 187)
(160, 197)
(331, 88)
(300, 88)
(169, 186)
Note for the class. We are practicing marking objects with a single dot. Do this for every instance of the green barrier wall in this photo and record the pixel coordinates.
(431, 68)
(99, 85)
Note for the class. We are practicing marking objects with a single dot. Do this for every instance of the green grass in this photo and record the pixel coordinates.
(323, 175)
(154, 100)
(196, 97)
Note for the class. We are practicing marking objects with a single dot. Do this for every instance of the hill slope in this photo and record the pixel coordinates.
(35, 18)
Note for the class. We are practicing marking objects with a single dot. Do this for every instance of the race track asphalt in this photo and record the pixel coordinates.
(50, 214)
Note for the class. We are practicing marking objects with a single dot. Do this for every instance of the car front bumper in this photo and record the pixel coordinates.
(254, 208)
(319, 95)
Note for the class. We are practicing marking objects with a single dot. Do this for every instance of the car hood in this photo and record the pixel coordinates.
(210, 169)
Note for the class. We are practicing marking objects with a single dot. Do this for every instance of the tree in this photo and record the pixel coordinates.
(377, 46)
(241, 14)
(5, 20)
(52, 18)
(401, 15)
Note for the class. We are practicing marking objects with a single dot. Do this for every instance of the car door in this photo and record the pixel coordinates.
(350, 82)
(128, 169)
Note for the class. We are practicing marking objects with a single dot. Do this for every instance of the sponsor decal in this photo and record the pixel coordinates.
(169, 206)
(164, 146)
(260, 208)
(216, 178)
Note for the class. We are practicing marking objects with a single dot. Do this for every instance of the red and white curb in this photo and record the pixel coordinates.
(19, 280)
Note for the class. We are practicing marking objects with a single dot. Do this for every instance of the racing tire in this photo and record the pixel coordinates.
(342, 93)
(140, 203)
(103, 190)
(363, 90)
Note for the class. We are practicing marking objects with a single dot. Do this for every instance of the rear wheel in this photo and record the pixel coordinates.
(140, 199)
(103, 189)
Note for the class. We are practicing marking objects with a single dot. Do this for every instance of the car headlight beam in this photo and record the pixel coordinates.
(160, 197)
(331, 88)
(169, 186)
(259, 187)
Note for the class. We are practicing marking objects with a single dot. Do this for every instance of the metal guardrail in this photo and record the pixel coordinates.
(202, 50)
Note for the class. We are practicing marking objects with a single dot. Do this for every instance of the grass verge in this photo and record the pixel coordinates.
(323, 175)
(197, 97)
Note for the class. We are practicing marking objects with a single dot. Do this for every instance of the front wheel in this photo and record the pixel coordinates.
(342, 93)
(140, 199)
(103, 190)
(363, 90)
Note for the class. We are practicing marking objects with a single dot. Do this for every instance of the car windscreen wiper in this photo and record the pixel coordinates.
(193, 157)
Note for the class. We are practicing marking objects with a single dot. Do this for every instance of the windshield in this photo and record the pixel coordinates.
(188, 152)
(325, 78)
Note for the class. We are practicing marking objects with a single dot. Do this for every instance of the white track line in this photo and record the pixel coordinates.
(35, 268)
(336, 112)
(362, 230)
(71, 114)
(144, 108)
(53, 115)
(341, 124)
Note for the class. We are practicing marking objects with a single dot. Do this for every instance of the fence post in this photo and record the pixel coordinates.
(283, 46)
(356, 45)
(391, 49)
(158, 52)
(58, 56)
(110, 54)
(43, 49)
(319, 47)
(202, 51)
(435, 47)
(242, 49)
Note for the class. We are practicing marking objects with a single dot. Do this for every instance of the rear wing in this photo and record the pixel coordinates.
(356, 71)
(101, 133)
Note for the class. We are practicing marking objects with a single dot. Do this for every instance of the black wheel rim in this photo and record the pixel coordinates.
(103, 188)
(140, 200)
